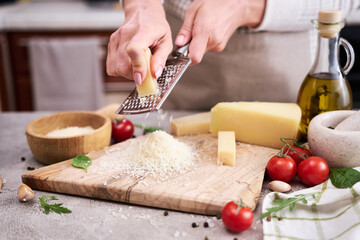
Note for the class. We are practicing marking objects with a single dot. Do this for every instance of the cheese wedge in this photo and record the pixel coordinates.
(149, 85)
(191, 124)
(226, 148)
(260, 123)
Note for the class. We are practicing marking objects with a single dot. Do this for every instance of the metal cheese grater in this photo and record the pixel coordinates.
(175, 66)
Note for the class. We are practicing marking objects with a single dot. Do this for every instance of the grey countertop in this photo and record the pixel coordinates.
(92, 218)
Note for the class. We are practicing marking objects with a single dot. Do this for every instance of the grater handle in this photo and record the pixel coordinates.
(181, 51)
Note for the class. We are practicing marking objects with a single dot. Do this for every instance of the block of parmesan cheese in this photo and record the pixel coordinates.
(149, 85)
(260, 123)
(226, 148)
(191, 124)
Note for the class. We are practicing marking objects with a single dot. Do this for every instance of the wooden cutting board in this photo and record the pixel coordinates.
(204, 189)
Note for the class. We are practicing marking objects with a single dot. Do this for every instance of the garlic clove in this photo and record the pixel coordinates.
(279, 186)
(25, 193)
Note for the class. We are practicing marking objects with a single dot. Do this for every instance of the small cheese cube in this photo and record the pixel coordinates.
(191, 124)
(260, 123)
(226, 148)
(149, 85)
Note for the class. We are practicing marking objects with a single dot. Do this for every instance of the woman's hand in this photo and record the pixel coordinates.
(210, 23)
(145, 26)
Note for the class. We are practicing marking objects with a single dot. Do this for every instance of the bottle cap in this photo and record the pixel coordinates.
(329, 23)
(330, 16)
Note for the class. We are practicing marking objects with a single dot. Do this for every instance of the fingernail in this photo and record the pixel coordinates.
(137, 78)
(179, 39)
(159, 72)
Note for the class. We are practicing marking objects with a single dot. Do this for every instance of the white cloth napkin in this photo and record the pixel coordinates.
(66, 73)
(334, 214)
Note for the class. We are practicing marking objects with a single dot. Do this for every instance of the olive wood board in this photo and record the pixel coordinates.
(204, 189)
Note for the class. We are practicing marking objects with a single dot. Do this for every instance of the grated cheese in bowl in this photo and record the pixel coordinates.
(70, 131)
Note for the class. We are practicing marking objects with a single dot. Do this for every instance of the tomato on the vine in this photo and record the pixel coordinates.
(122, 130)
(297, 157)
(313, 171)
(236, 216)
(282, 168)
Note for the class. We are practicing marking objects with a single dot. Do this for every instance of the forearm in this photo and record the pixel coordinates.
(131, 6)
(253, 12)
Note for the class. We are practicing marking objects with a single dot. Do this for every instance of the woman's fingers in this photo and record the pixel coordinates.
(160, 54)
(210, 23)
(145, 27)
(116, 51)
(136, 52)
(185, 32)
(198, 45)
(111, 57)
(195, 27)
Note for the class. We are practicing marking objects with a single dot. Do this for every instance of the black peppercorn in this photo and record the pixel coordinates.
(206, 224)
(23, 158)
(166, 213)
(194, 225)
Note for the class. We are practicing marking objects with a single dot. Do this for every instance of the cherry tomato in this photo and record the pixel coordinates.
(236, 216)
(313, 171)
(122, 130)
(281, 168)
(297, 157)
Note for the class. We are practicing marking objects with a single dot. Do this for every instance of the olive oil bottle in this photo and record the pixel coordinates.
(326, 88)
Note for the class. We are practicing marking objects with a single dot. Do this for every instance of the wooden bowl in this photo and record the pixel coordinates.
(50, 150)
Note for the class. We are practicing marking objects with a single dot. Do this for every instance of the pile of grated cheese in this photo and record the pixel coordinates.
(158, 154)
(70, 131)
(162, 153)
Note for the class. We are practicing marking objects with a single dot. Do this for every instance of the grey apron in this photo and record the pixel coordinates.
(255, 66)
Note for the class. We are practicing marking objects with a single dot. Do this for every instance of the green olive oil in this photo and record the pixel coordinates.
(322, 92)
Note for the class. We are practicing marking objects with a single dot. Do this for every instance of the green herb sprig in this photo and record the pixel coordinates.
(81, 161)
(344, 177)
(148, 129)
(55, 207)
(282, 203)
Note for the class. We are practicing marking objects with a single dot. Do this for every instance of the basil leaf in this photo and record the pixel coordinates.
(81, 161)
(151, 129)
(147, 129)
(344, 177)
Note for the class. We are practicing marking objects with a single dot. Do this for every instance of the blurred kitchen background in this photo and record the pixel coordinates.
(70, 37)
